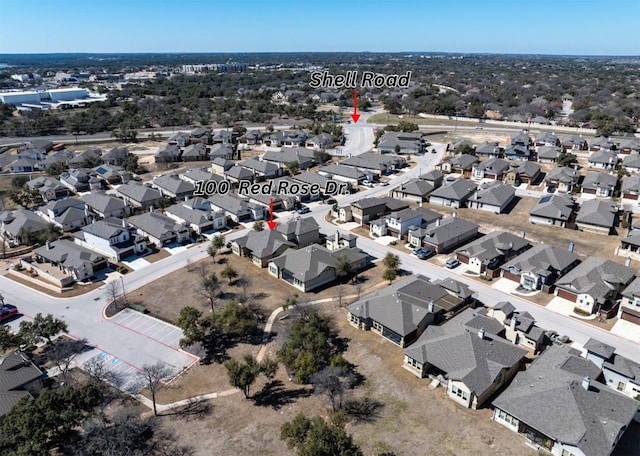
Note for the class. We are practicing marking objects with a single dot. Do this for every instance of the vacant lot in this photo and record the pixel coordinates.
(411, 419)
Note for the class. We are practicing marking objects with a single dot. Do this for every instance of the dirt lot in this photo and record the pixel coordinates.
(411, 419)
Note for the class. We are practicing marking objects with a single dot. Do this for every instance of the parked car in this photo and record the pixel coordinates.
(367, 183)
(7, 312)
(423, 253)
(452, 263)
(304, 210)
(331, 201)
(433, 151)
(384, 183)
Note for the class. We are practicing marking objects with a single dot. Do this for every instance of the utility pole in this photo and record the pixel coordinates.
(124, 294)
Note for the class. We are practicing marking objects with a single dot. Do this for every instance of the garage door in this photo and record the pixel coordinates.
(567, 295)
(462, 258)
(629, 315)
(511, 276)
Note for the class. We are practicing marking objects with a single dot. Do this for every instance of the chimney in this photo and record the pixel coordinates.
(48, 245)
(124, 222)
(437, 222)
(514, 322)
(627, 261)
(86, 211)
(430, 306)
(586, 382)
(481, 333)
(337, 237)
(571, 246)
(455, 214)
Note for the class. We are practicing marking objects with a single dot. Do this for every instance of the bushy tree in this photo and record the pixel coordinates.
(315, 437)
(41, 328)
(391, 261)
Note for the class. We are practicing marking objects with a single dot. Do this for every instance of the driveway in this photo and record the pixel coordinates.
(627, 330)
(135, 262)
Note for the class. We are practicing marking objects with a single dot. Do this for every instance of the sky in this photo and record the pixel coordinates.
(577, 27)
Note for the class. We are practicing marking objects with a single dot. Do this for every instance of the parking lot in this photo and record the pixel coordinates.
(150, 327)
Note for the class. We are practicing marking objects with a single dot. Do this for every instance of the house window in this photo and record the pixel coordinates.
(460, 393)
(506, 418)
(637, 302)
(377, 326)
(414, 363)
(354, 319)
(566, 452)
(620, 386)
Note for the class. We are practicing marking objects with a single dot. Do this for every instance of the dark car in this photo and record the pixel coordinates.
(7, 312)
(331, 201)
(423, 253)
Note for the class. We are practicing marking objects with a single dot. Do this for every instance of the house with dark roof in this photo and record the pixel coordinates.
(401, 143)
(19, 378)
(547, 138)
(367, 209)
(168, 154)
(630, 304)
(488, 150)
(341, 173)
(160, 229)
(434, 177)
(112, 238)
(320, 142)
(48, 187)
(173, 187)
(398, 223)
(402, 311)
(595, 284)
(66, 262)
(599, 184)
(492, 197)
(236, 208)
(340, 240)
(562, 179)
(413, 190)
(493, 168)
(445, 235)
(454, 193)
(539, 267)
(629, 190)
(199, 174)
(225, 151)
(179, 139)
(220, 165)
(552, 210)
(526, 173)
(237, 173)
(222, 137)
(195, 152)
(201, 135)
(485, 255)
(520, 327)
(115, 156)
(81, 180)
(112, 174)
(314, 266)
(89, 157)
(105, 206)
(375, 164)
(574, 142)
(602, 143)
(459, 164)
(261, 169)
(251, 138)
(304, 157)
(630, 146)
(632, 163)
(618, 373)
(548, 154)
(468, 353)
(559, 406)
(261, 246)
(138, 195)
(69, 214)
(597, 216)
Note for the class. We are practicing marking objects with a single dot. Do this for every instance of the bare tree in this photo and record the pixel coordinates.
(334, 383)
(209, 289)
(359, 286)
(98, 370)
(152, 377)
(113, 291)
(63, 353)
(243, 282)
(339, 295)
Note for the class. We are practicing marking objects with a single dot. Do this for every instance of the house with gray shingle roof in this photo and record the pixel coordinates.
(115, 156)
(574, 142)
(399, 223)
(620, 373)
(367, 209)
(195, 152)
(558, 404)
(199, 174)
(105, 206)
(237, 173)
(630, 190)
(600, 184)
(401, 143)
(630, 304)
(78, 263)
(548, 154)
(493, 168)
(526, 173)
(16, 223)
(453, 193)
(413, 190)
(632, 163)
(81, 180)
(19, 378)
(251, 137)
(236, 208)
(595, 284)
(539, 267)
(173, 187)
(304, 157)
(199, 219)
(314, 266)
(49, 188)
(485, 255)
(460, 164)
(168, 154)
(630, 146)
(552, 210)
(160, 229)
(474, 361)
(138, 195)
(112, 238)
(445, 235)
(84, 158)
(261, 246)
(520, 327)
(68, 214)
(602, 143)
(319, 142)
(179, 139)
(603, 159)
(375, 164)
(492, 197)
(343, 173)
(488, 150)
(597, 216)
(225, 151)
(261, 169)
(562, 179)
(402, 311)
(547, 138)
(112, 174)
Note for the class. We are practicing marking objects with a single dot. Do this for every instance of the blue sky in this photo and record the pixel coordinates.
(590, 27)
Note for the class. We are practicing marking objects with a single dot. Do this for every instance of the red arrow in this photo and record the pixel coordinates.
(271, 223)
(355, 116)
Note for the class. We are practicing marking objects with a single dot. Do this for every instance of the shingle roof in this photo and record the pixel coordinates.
(67, 253)
(631, 161)
(156, 225)
(345, 171)
(493, 165)
(599, 180)
(597, 213)
(604, 157)
(16, 370)
(494, 194)
(563, 174)
(596, 277)
(549, 152)
(173, 184)
(559, 207)
(263, 244)
(631, 184)
(457, 190)
(102, 202)
(542, 259)
(456, 349)
(140, 193)
(493, 245)
(106, 229)
(464, 161)
(24, 219)
(599, 348)
(449, 229)
(416, 187)
(550, 398)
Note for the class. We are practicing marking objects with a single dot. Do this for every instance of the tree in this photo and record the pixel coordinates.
(258, 225)
(41, 328)
(340, 295)
(152, 377)
(566, 159)
(131, 163)
(391, 261)
(9, 340)
(321, 157)
(35, 427)
(390, 275)
(64, 352)
(56, 169)
(344, 266)
(210, 289)
(293, 167)
(463, 149)
(315, 437)
(113, 291)
(229, 273)
(243, 375)
(244, 282)
(235, 320)
(190, 321)
(333, 382)
(269, 367)
(217, 243)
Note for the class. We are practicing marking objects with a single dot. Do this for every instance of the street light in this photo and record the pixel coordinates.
(124, 294)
